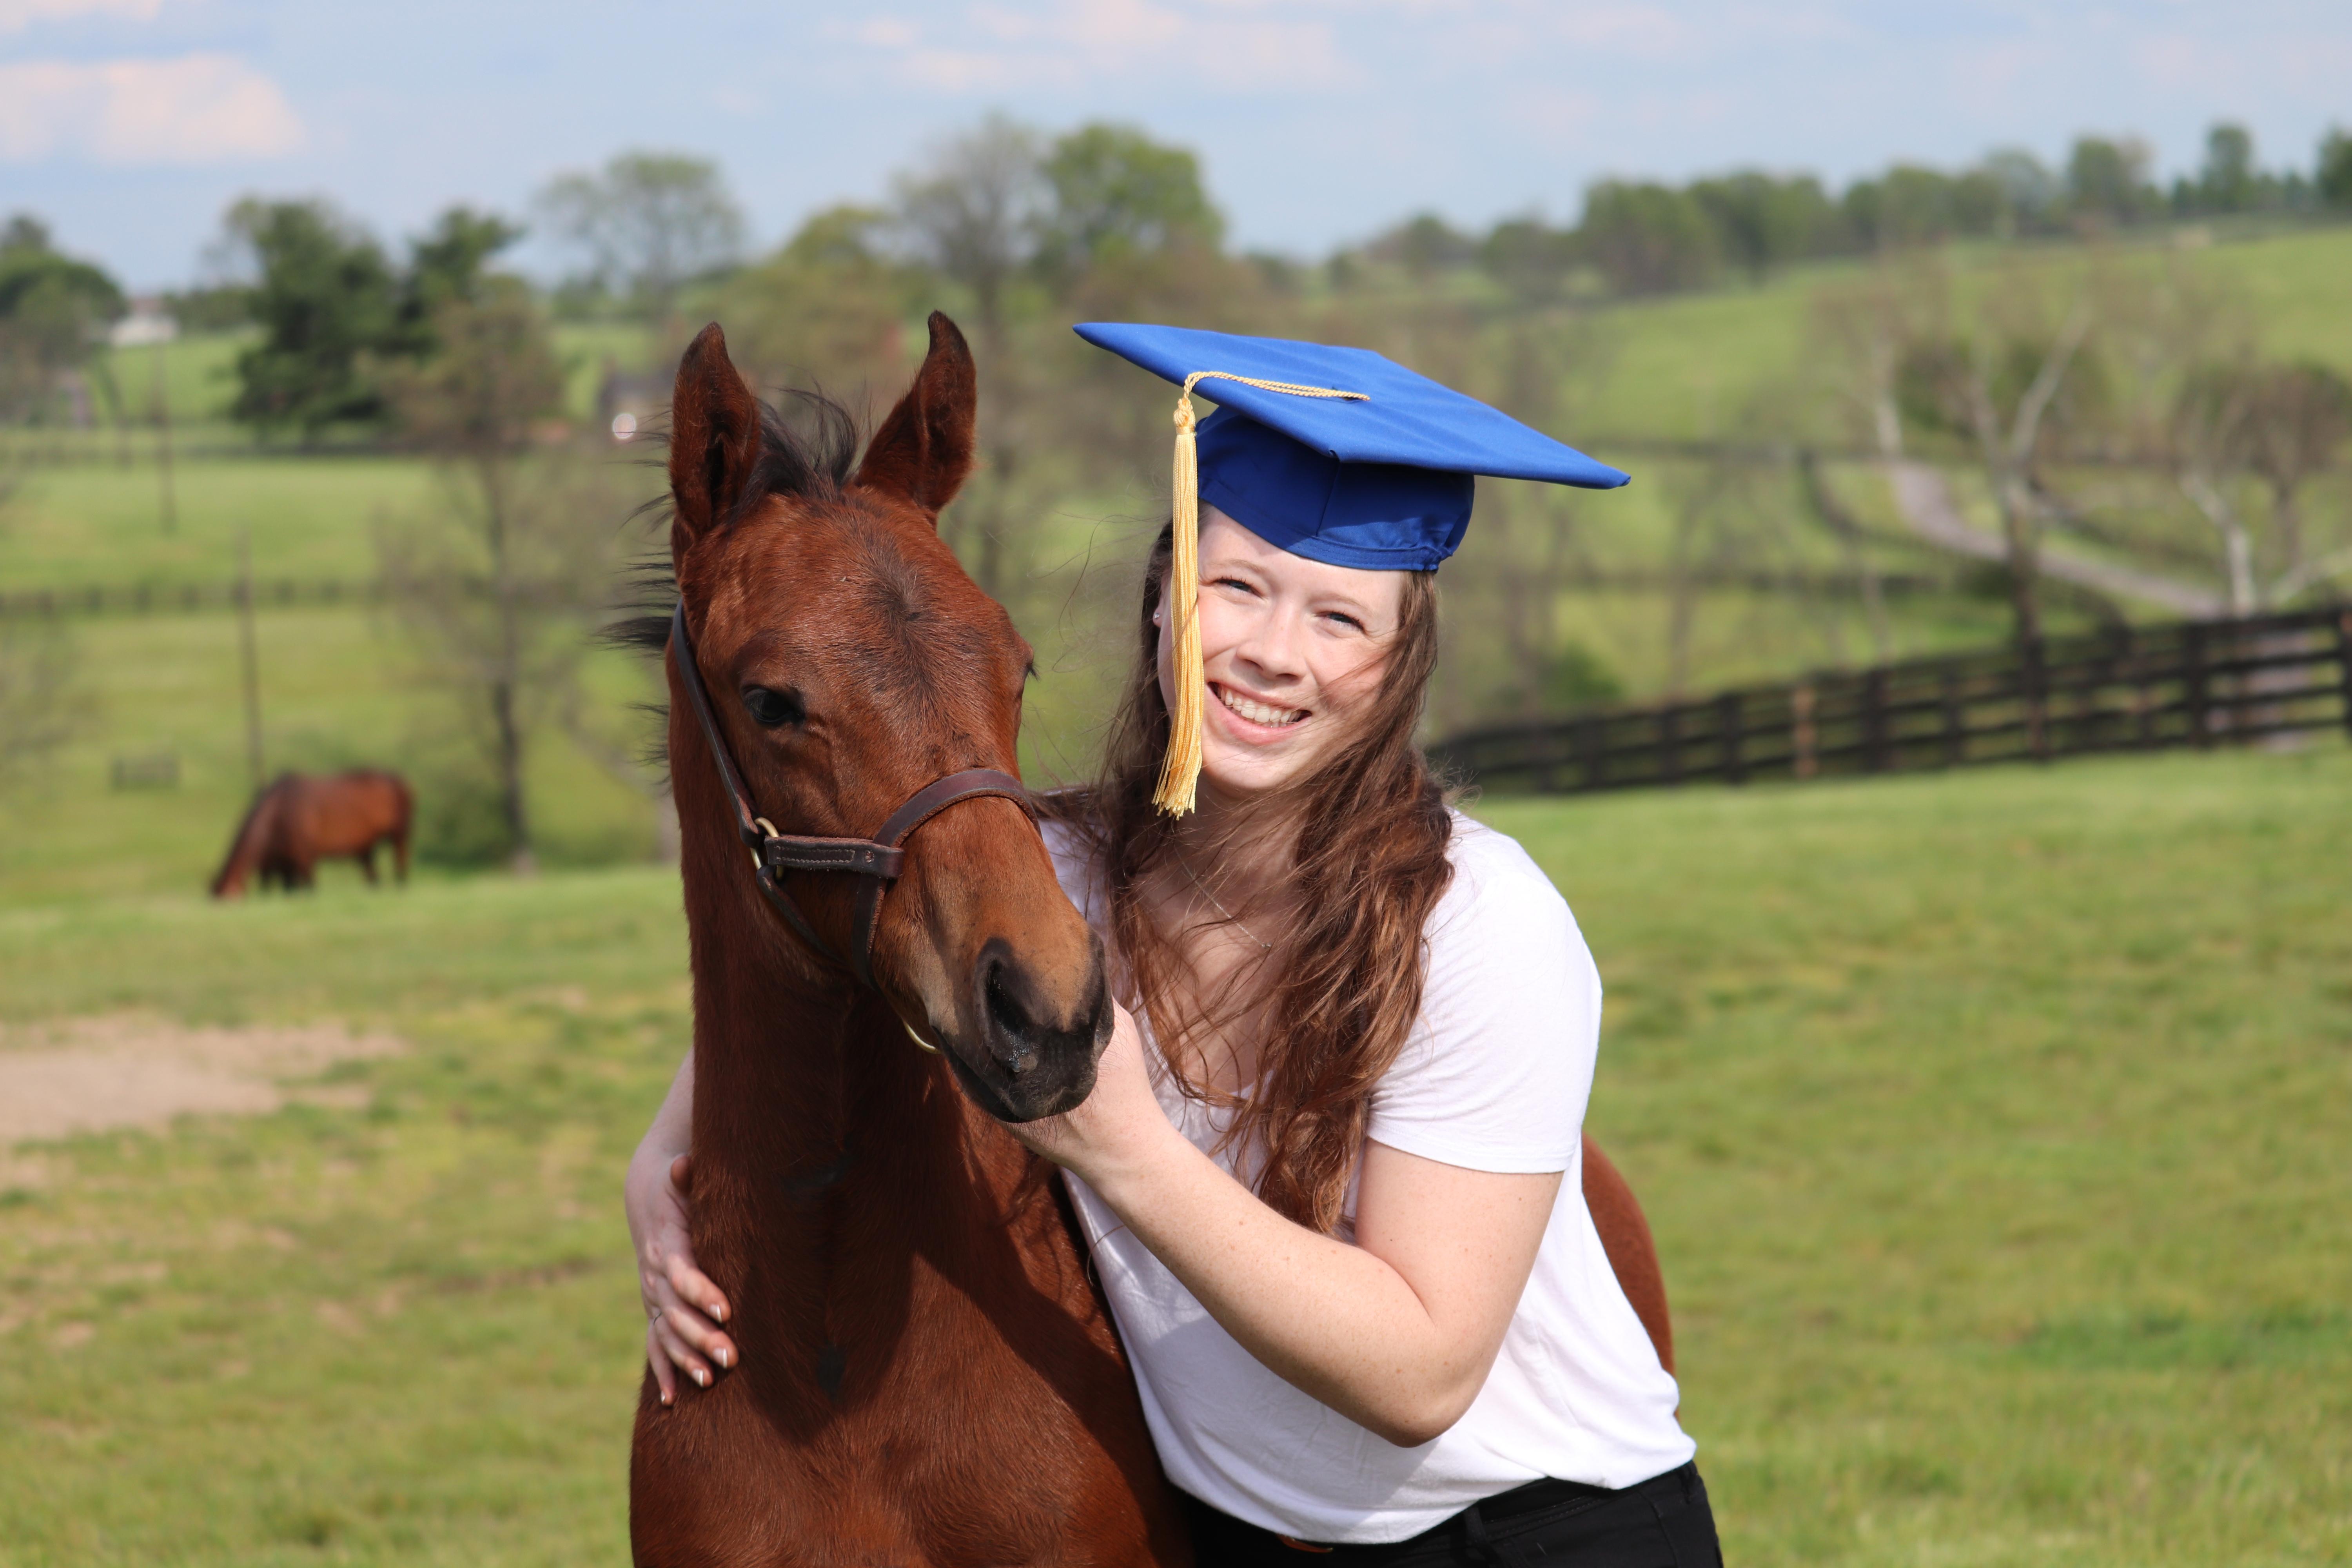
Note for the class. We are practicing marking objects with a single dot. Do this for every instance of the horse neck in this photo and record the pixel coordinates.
(246, 850)
(800, 1079)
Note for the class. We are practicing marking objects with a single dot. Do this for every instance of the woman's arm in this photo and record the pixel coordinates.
(683, 1309)
(1397, 1331)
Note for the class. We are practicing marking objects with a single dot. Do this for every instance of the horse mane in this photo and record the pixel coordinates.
(806, 455)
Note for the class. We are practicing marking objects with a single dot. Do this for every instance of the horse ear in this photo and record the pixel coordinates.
(923, 451)
(714, 438)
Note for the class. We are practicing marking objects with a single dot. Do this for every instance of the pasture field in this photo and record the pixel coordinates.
(338, 690)
(1991, 1125)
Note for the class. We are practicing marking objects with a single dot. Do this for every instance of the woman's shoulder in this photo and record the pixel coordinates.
(1495, 1074)
(1495, 880)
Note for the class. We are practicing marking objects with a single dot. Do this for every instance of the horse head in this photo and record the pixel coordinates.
(850, 662)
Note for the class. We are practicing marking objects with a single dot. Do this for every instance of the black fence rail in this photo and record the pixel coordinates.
(2188, 683)
(183, 598)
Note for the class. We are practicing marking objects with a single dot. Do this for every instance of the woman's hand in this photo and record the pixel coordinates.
(1119, 1122)
(683, 1308)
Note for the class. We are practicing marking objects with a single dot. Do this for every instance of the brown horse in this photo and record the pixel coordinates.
(298, 821)
(927, 1374)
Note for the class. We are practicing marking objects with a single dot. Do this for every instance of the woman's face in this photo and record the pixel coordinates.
(1294, 650)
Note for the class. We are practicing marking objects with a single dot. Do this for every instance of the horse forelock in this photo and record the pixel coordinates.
(885, 608)
(924, 641)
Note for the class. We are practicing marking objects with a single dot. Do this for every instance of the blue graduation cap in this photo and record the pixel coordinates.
(1339, 454)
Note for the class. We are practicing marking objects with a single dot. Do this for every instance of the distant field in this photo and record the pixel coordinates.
(1691, 366)
(309, 518)
(1991, 1125)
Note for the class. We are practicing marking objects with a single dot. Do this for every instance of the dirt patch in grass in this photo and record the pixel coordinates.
(99, 1075)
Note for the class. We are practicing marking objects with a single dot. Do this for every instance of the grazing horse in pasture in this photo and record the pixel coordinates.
(298, 821)
(928, 1375)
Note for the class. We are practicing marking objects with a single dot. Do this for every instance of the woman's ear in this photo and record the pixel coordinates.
(714, 440)
(923, 451)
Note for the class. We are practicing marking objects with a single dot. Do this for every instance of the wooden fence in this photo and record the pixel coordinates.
(2189, 683)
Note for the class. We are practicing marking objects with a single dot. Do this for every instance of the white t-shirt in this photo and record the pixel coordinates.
(1493, 1077)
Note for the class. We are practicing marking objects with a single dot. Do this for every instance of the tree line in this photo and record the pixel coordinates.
(1647, 238)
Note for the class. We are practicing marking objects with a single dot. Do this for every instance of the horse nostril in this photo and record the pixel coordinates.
(1012, 1022)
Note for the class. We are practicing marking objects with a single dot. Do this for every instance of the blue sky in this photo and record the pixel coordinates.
(130, 124)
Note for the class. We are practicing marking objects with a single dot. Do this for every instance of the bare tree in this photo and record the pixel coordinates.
(40, 709)
(2302, 417)
(494, 584)
(975, 211)
(647, 223)
(1993, 378)
(2209, 440)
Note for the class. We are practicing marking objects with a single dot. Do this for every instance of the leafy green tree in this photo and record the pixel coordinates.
(1761, 223)
(647, 223)
(1911, 206)
(2030, 194)
(52, 308)
(1116, 194)
(450, 262)
(2334, 178)
(2227, 183)
(1529, 259)
(325, 298)
(1423, 246)
(1647, 238)
(2107, 180)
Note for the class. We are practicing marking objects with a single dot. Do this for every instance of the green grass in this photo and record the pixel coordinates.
(309, 518)
(1991, 1125)
(397, 1334)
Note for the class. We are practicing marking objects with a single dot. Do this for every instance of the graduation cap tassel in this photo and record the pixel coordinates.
(1179, 771)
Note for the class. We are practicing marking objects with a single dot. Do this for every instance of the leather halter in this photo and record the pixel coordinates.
(877, 860)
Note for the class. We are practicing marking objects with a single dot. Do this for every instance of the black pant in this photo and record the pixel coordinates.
(1663, 1523)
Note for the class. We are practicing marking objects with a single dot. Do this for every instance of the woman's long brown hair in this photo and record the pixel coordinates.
(1336, 998)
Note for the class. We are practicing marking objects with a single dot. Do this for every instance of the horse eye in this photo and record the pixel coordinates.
(772, 710)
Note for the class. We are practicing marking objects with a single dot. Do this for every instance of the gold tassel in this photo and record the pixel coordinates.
(1180, 771)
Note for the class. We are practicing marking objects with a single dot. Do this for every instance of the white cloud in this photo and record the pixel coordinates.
(16, 15)
(1008, 45)
(198, 109)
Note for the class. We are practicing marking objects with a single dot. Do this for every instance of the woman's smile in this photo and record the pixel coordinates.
(1255, 714)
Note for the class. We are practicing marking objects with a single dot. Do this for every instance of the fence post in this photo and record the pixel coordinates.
(1595, 746)
(248, 656)
(1732, 721)
(1955, 735)
(1670, 743)
(1873, 718)
(2031, 681)
(2200, 732)
(2343, 663)
(1801, 731)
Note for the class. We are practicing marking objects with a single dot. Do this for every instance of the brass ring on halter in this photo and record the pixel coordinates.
(918, 1038)
(765, 826)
